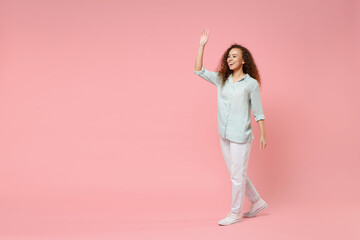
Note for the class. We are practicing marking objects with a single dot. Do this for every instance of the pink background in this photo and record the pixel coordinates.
(106, 133)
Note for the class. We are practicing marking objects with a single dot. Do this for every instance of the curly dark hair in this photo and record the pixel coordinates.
(248, 67)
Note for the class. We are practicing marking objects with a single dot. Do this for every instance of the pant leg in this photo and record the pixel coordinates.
(236, 156)
(240, 153)
(251, 192)
(225, 148)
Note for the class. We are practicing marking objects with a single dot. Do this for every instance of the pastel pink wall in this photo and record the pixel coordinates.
(100, 109)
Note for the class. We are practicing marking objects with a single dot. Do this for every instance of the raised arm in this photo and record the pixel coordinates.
(199, 58)
(199, 70)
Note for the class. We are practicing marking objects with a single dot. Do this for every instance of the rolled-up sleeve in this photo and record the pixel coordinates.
(256, 103)
(211, 77)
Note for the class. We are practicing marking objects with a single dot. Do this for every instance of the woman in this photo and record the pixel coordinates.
(238, 89)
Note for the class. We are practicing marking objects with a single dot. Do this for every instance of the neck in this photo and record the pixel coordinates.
(238, 73)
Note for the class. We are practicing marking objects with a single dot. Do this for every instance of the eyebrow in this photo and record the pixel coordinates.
(232, 54)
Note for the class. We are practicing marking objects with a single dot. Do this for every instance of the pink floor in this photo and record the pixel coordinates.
(190, 220)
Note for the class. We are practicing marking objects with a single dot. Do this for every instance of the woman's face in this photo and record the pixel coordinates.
(234, 59)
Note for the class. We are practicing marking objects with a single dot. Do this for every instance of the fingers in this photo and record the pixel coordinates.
(262, 145)
(205, 32)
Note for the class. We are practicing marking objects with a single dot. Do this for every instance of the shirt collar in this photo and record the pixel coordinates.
(245, 77)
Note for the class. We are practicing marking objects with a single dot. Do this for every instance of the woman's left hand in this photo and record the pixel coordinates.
(262, 143)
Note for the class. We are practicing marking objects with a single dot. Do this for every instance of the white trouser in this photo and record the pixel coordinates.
(236, 156)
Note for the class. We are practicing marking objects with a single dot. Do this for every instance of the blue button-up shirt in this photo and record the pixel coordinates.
(234, 104)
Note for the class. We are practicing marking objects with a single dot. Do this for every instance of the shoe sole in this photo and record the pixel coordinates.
(230, 223)
(256, 212)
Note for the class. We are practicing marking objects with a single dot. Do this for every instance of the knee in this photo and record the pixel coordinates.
(239, 177)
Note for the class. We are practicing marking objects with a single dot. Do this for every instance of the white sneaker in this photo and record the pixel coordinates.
(230, 219)
(256, 207)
